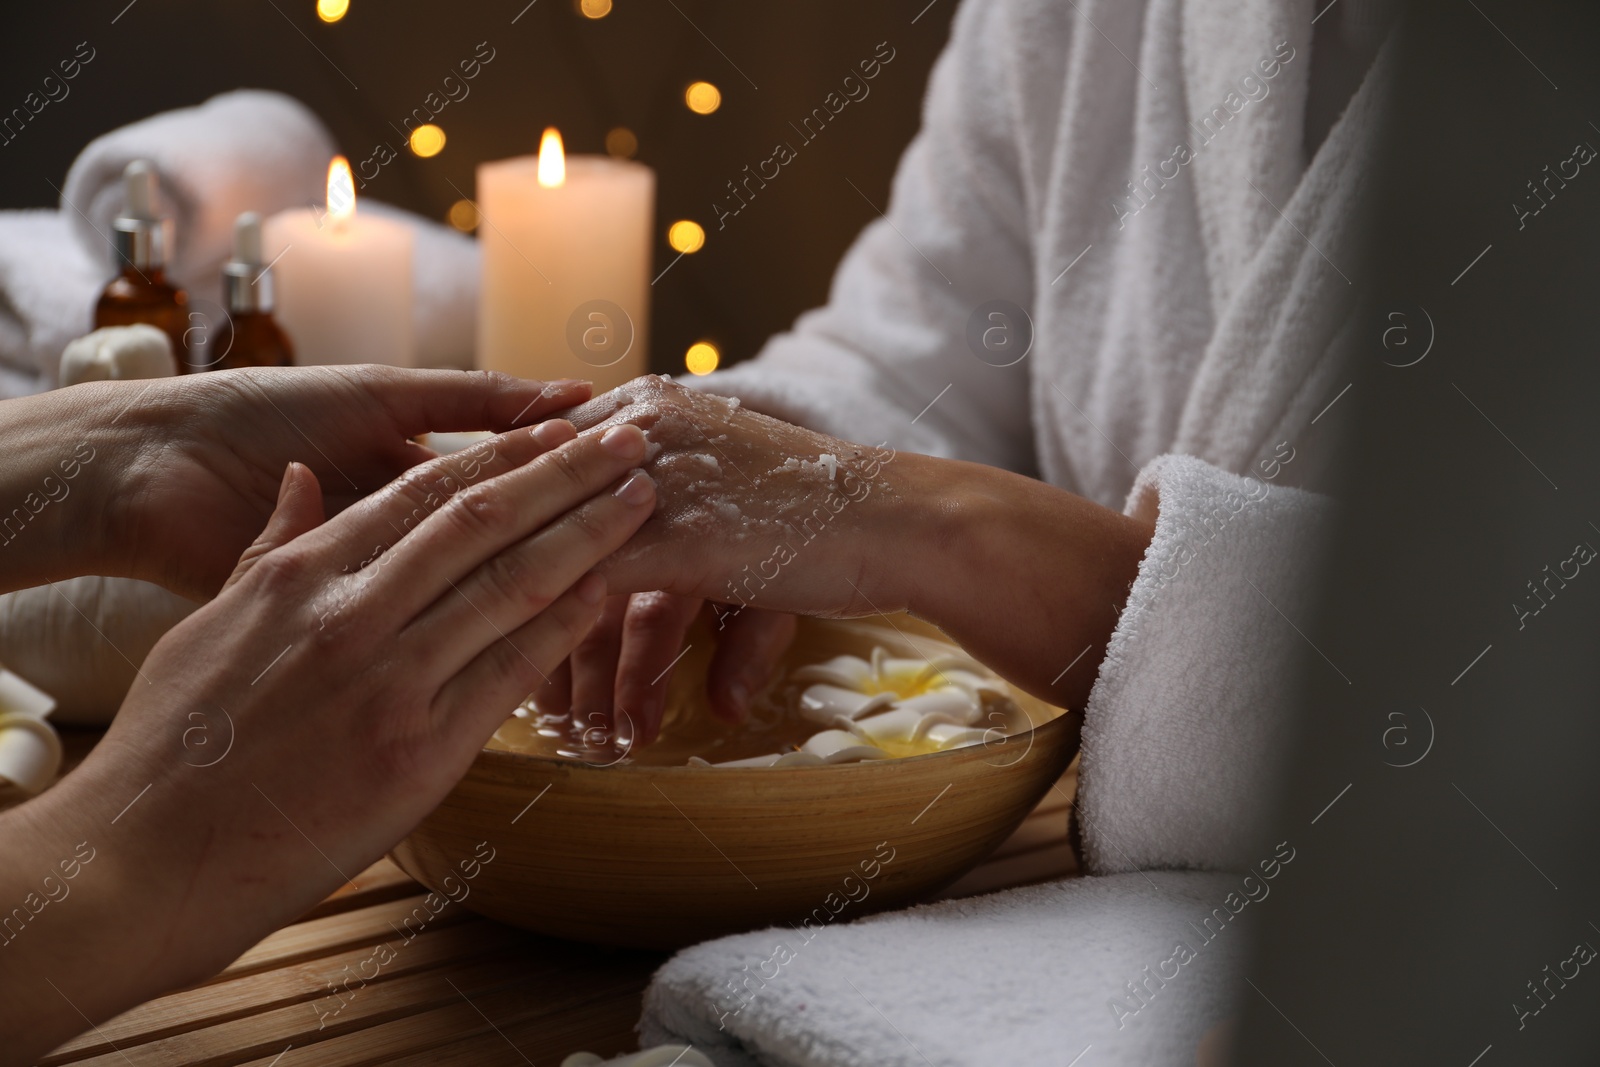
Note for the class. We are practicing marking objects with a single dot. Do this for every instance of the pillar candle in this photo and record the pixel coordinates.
(566, 266)
(343, 280)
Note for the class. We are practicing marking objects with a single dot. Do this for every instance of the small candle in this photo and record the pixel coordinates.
(566, 266)
(343, 281)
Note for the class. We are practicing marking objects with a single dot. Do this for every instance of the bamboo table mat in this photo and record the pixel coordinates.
(466, 991)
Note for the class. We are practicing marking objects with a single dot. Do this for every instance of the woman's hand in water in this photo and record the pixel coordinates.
(761, 518)
(756, 512)
(761, 515)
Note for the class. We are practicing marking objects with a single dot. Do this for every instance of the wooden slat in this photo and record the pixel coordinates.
(381, 882)
(1038, 851)
(1027, 868)
(306, 1027)
(553, 1003)
(371, 925)
(603, 1026)
(299, 983)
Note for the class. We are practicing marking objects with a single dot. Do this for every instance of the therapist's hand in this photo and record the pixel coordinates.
(197, 459)
(290, 731)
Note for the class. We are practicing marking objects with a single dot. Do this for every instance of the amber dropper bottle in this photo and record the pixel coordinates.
(258, 340)
(141, 292)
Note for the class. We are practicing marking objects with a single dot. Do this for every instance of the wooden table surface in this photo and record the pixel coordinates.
(466, 991)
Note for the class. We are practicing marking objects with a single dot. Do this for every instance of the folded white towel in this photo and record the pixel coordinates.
(48, 286)
(1030, 976)
(247, 150)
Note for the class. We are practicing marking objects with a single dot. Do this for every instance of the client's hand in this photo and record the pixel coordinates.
(746, 496)
(617, 676)
(758, 514)
(289, 732)
(197, 459)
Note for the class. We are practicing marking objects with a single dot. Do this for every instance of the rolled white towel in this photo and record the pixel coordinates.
(48, 286)
(444, 287)
(247, 150)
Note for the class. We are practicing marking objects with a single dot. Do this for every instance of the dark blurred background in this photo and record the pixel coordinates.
(555, 65)
(1443, 803)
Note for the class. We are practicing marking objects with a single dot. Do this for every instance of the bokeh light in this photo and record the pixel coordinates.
(464, 215)
(702, 358)
(686, 235)
(703, 98)
(621, 143)
(332, 10)
(594, 9)
(427, 140)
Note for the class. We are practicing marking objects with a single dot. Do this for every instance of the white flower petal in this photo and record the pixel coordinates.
(959, 705)
(840, 746)
(823, 703)
(847, 672)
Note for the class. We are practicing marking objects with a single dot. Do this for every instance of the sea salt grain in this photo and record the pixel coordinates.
(826, 466)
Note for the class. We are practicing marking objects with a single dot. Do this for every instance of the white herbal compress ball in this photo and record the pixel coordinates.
(79, 640)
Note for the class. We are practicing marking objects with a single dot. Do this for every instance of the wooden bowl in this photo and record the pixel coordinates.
(660, 857)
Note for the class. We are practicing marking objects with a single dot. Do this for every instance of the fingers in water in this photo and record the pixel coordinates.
(749, 649)
(652, 642)
(594, 668)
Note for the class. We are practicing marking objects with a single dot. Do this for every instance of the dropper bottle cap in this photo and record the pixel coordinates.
(139, 236)
(246, 283)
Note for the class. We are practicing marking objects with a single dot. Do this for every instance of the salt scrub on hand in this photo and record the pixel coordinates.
(887, 708)
(725, 474)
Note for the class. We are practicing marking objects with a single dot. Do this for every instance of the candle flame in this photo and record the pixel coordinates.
(552, 160)
(341, 190)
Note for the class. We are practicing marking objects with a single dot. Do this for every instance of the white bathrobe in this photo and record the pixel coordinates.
(1181, 367)
(1179, 360)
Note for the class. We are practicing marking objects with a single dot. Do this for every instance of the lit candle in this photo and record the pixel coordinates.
(566, 266)
(343, 282)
